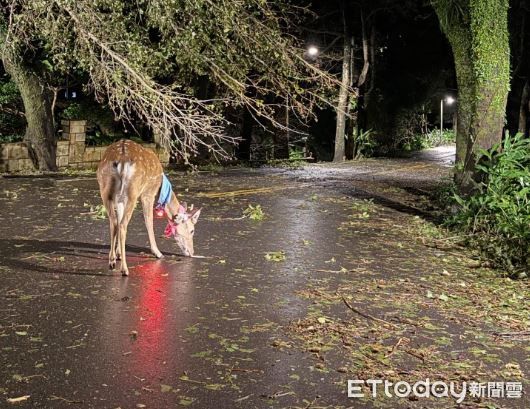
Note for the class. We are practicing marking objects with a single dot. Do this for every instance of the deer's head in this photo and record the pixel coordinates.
(182, 227)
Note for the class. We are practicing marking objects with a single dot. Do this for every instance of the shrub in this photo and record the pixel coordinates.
(429, 140)
(497, 215)
(296, 153)
(11, 137)
(433, 138)
(408, 126)
(12, 121)
(73, 111)
(362, 143)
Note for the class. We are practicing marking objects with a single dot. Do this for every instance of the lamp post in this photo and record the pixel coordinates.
(449, 100)
(312, 52)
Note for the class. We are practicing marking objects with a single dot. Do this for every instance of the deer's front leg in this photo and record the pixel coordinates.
(147, 205)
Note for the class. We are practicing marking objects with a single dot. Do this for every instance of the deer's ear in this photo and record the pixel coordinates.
(182, 208)
(194, 215)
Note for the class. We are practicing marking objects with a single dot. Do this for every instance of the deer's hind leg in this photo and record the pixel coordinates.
(124, 213)
(113, 222)
(113, 229)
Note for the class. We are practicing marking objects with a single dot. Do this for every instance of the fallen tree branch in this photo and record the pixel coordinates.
(69, 401)
(518, 335)
(394, 348)
(365, 315)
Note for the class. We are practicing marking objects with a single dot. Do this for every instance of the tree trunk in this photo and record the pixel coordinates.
(371, 65)
(281, 137)
(362, 93)
(523, 109)
(478, 34)
(243, 148)
(520, 60)
(40, 133)
(343, 102)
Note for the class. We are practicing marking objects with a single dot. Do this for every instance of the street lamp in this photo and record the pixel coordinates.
(312, 51)
(449, 100)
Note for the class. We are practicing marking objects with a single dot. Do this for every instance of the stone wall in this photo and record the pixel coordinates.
(71, 152)
(14, 157)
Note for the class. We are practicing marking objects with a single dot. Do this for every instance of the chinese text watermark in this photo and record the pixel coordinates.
(437, 389)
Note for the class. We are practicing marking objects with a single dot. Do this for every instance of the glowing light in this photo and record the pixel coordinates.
(449, 100)
(312, 51)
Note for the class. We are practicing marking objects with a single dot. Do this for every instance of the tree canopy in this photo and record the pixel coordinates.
(144, 59)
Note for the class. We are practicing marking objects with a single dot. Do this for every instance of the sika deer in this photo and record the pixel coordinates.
(128, 172)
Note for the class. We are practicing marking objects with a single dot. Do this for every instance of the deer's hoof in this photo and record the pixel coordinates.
(125, 273)
(112, 265)
(159, 255)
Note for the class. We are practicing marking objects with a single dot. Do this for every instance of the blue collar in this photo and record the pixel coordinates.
(165, 192)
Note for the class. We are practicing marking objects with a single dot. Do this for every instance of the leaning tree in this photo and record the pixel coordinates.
(36, 96)
(478, 33)
(142, 58)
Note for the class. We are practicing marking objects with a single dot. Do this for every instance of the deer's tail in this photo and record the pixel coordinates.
(124, 171)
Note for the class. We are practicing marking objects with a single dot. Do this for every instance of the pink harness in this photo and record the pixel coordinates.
(172, 227)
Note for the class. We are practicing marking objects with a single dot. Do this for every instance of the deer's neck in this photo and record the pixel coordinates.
(172, 208)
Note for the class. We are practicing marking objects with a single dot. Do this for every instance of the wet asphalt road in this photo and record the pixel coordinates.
(84, 334)
(203, 333)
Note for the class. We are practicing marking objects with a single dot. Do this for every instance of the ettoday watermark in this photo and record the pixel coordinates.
(437, 389)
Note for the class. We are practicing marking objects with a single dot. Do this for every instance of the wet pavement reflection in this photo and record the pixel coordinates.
(178, 331)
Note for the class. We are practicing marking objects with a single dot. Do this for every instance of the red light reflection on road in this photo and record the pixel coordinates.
(152, 317)
(158, 316)
(150, 322)
(144, 321)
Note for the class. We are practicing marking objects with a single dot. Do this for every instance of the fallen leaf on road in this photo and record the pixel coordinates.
(19, 399)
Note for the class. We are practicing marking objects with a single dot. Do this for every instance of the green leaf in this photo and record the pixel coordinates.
(165, 388)
(275, 256)
(443, 297)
